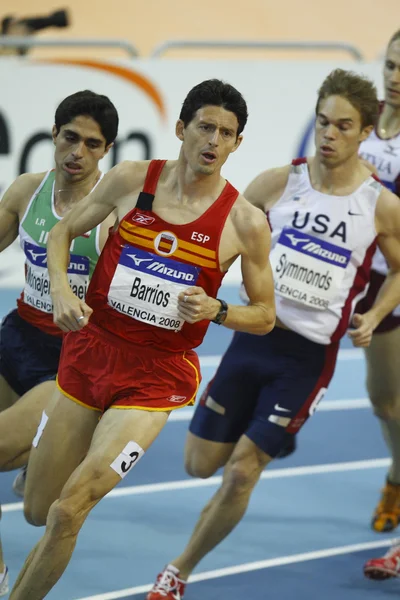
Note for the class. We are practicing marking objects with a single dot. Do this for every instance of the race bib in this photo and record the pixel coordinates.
(146, 287)
(37, 281)
(308, 270)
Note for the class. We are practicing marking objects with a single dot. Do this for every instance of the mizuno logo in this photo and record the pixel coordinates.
(159, 267)
(314, 248)
(35, 255)
(295, 240)
(137, 260)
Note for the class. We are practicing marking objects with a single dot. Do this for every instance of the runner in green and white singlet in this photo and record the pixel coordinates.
(86, 125)
(35, 305)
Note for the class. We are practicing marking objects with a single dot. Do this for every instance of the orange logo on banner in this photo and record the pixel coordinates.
(140, 81)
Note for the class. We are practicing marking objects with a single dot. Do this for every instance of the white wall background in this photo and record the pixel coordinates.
(280, 95)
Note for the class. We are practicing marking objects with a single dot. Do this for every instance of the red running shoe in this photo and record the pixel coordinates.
(168, 586)
(385, 567)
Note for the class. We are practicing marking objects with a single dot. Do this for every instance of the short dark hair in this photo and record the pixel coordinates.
(214, 92)
(356, 89)
(90, 104)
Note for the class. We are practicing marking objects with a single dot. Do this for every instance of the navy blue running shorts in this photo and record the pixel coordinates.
(266, 387)
(28, 356)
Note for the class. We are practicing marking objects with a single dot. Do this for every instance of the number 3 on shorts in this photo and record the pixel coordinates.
(128, 458)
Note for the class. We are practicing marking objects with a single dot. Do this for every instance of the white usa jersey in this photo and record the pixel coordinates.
(322, 249)
(385, 156)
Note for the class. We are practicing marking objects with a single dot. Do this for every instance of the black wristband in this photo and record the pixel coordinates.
(223, 311)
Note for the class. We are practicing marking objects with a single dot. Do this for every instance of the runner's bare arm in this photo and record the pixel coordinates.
(105, 227)
(17, 195)
(387, 222)
(266, 189)
(388, 228)
(263, 192)
(86, 214)
(71, 313)
(258, 317)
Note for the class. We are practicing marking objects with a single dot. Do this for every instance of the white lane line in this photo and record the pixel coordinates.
(213, 360)
(254, 566)
(186, 484)
(344, 404)
(351, 354)
(12, 506)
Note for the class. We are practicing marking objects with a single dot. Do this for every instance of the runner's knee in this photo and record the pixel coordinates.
(241, 474)
(63, 518)
(200, 465)
(386, 405)
(388, 411)
(37, 503)
(237, 478)
(35, 512)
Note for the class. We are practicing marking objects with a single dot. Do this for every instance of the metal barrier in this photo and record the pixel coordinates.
(132, 51)
(33, 42)
(256, 45)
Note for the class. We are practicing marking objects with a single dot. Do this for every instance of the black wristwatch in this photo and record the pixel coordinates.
(223, 311)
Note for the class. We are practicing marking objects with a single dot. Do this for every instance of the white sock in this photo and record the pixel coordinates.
(174, 570)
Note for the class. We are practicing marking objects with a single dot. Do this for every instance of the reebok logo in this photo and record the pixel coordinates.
(176, 399)
(143, 219)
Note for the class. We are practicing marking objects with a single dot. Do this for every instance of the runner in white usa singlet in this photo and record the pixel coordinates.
(321, 254)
